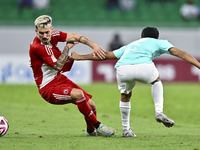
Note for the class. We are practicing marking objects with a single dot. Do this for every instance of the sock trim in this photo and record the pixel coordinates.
(125, 104)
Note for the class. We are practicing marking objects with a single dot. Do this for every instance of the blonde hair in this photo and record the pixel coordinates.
(43, 21)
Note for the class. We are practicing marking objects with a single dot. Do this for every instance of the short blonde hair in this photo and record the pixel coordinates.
(43, 21)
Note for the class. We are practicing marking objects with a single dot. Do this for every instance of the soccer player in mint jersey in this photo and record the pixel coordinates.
(135, 64)
(48, 62)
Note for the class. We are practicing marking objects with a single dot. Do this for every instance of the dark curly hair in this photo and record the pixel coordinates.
(151, 32)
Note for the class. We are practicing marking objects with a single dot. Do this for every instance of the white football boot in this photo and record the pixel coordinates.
(160, 117)
(128, 133)
(103, 130)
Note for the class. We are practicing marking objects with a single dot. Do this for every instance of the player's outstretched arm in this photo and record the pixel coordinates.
(96, 49)
(63, 57)
(185, 56)
(76, 56)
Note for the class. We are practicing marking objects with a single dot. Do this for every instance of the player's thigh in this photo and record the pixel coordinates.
(125, 79)
(62, 92)
(126, 73)
(57, 95)
(76, 92)
(146, 73)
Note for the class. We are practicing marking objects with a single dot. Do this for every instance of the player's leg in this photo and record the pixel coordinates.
(125, 79)
(72, 93)
(65, 92)
(157, 94)
(92, 105)
(125, 108)
(148, 73)
(83, 106)
(86, 110)
(90, 127)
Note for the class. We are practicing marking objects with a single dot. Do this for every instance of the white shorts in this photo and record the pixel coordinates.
(127, 75)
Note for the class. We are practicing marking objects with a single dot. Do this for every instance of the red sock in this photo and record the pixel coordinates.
(90, 126)
(95, 111)
(86, 110)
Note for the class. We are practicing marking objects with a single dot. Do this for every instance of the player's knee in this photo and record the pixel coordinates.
(77, 94)
(157, 80)
(126, 97)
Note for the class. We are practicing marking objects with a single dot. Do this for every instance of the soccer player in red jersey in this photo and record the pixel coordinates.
(48, 62)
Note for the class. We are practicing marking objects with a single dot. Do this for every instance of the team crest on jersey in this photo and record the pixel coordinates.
(65, 91)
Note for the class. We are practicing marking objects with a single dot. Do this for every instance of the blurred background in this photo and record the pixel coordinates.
(109, 23)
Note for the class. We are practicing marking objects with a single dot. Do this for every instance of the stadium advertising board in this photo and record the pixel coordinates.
(170, 70)
(16, 69)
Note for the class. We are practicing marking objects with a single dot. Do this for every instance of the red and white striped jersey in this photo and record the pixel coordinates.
(44, 57)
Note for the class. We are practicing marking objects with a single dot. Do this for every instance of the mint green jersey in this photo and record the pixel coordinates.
(141, 51)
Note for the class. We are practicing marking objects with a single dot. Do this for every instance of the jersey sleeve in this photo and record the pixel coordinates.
(165, 46)
(119, 52)
(63, 36)
(46, 55)
(58, 36)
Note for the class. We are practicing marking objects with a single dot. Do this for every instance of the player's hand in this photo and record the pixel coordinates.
(99, 51)
(74, 56)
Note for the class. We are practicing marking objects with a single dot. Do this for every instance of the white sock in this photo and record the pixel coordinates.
(125, 108)
(157, 94)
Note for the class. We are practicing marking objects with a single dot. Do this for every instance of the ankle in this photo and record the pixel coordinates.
(90, 131)
(96, 125)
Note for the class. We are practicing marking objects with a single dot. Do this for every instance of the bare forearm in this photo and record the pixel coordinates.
(84, 40)
(76, 56)
(89, 57)
(62, 59)
(79, 38)
(185, 56)
(96, 49)
(189, 58)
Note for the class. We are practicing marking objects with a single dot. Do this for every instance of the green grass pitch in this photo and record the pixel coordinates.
(38, 125)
